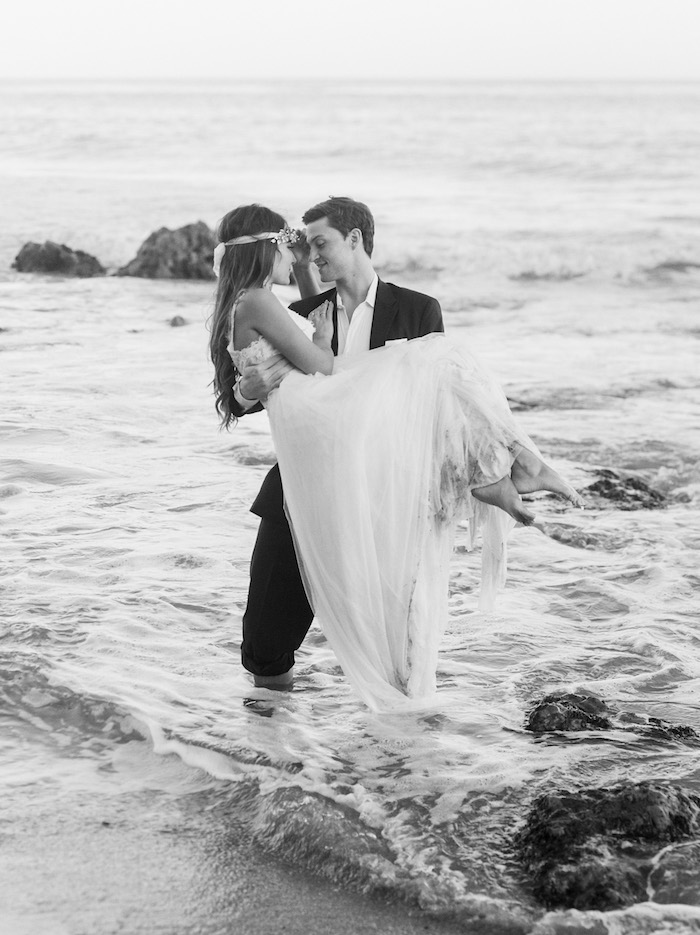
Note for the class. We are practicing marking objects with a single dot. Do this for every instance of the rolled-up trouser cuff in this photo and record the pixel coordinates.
(277, 667)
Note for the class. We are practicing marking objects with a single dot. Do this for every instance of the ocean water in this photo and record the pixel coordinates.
(559, 226)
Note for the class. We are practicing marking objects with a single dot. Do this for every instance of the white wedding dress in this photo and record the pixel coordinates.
(378, 462)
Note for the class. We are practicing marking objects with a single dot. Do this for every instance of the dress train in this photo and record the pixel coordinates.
(378, 462)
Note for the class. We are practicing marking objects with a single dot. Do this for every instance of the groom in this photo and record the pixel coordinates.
(367, 314)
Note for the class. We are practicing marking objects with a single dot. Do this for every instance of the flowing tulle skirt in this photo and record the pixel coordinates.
(378, 462)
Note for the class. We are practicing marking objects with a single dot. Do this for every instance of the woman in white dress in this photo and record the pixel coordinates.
(381, 455)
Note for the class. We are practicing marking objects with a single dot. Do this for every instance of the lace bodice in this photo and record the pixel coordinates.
(255, 352)
(261, 348)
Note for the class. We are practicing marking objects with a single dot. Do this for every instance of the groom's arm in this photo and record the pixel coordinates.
(240, 405)
(257, 382)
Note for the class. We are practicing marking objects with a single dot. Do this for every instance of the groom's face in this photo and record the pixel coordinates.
(329, 250)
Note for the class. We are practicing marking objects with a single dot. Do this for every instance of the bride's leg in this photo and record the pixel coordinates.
(529, 473)
(504, 495)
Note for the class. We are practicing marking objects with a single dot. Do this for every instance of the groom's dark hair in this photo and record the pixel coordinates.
(345, 214)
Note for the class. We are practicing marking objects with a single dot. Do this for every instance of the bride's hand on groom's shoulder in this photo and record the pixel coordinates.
(259, 380)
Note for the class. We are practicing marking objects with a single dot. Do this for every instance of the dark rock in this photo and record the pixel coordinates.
(569, 712)
(590, 877)
(657, 729)
(682, 732)
(627, 493)
(577, 712)
(52, 257)
(177, 321)
(186, 253)
(593, 849)
(676, 876)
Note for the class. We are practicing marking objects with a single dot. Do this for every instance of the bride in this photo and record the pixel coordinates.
(381, 454)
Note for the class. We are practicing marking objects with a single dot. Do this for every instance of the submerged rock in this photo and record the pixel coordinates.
(657, 729)
(569, 712)
(185, 253)
(594, 848)
(177, 321)
(627, 492)
(50, 257)
(578, 711)
(676, 875)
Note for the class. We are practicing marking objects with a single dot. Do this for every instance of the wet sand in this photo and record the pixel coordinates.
(144, 862)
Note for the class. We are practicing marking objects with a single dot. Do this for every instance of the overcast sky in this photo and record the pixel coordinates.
(251, 39)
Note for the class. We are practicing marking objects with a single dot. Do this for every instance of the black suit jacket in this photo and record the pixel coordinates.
(398, 313)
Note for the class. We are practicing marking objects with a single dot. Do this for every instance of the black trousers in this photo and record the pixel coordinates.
(278, 615)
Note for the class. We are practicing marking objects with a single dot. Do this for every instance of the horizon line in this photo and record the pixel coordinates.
(364, 80)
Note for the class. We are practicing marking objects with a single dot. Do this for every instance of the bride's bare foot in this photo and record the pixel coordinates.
(529, 473)
(504, 495)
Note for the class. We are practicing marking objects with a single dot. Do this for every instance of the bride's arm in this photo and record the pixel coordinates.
(307, 281)
(268, 317)
(304, 273)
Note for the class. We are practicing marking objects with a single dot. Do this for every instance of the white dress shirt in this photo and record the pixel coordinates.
(353, 333)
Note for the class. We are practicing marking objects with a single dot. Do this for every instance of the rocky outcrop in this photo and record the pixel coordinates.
(569, 712)
(676, 875)
(186, 253)
(626, 492)
(50, 257)
(595, 848)
(578, 711)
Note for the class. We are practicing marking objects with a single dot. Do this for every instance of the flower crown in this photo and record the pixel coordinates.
(286, 235)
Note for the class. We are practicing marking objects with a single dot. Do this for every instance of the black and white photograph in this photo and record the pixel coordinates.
(350, 468)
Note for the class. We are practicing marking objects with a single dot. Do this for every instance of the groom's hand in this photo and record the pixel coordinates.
(259, 380)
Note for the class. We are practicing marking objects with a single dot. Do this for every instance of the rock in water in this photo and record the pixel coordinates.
(676, 874)
(593, 848)
(579, 711)
(185, 253)
(50, 257)
(627, 493)
(569, 712)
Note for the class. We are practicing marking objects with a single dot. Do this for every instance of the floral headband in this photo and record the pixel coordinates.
(286, 235)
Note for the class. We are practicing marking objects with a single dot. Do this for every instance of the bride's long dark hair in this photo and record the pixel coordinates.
(244, 266)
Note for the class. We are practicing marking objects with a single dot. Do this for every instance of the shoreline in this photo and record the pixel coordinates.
(106, 860)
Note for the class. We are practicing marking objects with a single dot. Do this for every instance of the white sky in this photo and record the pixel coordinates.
(325, 39)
